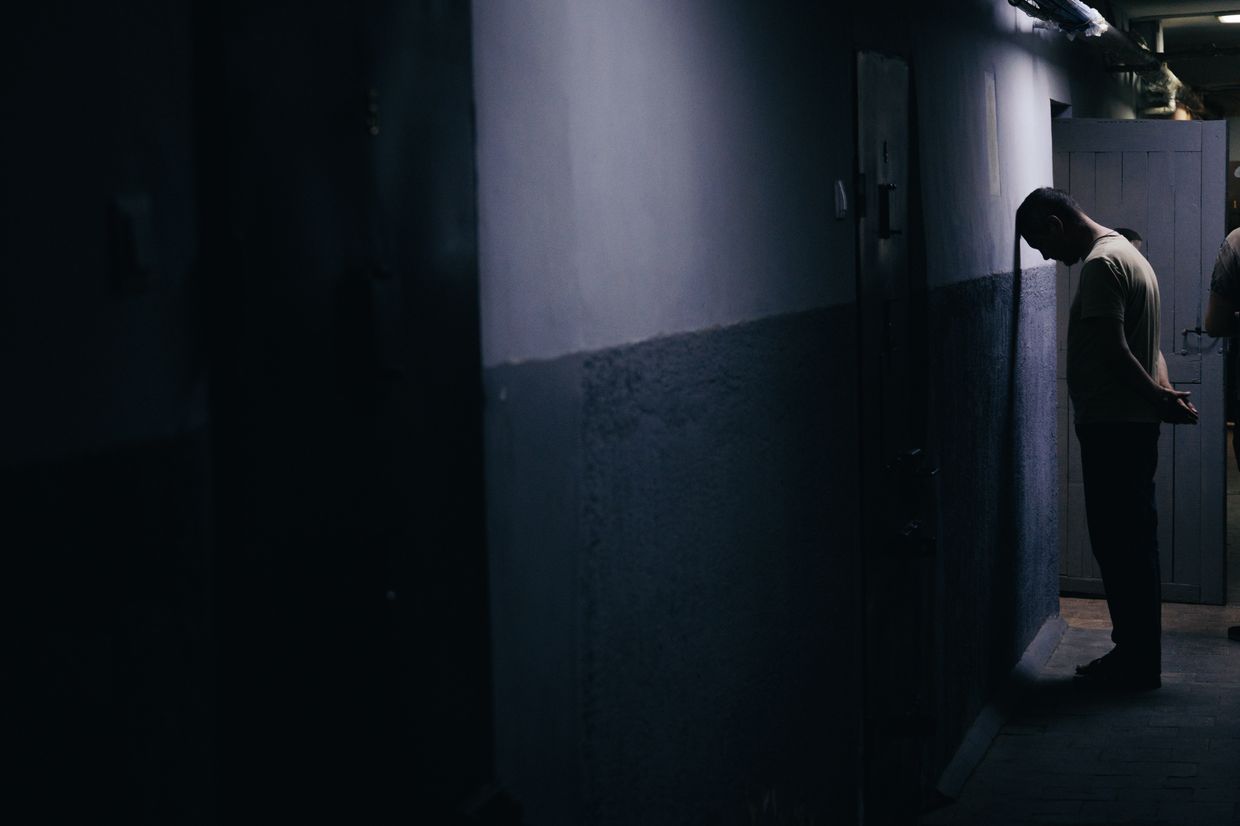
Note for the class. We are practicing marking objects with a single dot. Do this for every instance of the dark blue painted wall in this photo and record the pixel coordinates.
(992, 401)
(674, 570)
(625, 499)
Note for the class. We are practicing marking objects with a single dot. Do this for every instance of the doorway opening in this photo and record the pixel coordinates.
(1165, 180)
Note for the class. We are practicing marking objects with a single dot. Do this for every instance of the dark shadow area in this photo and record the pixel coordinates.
(241, 471)
(339, 256)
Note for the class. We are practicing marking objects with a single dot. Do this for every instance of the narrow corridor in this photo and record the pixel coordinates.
(1170, 756)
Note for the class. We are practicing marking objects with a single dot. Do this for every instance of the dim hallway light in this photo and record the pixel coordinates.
(1229, 18)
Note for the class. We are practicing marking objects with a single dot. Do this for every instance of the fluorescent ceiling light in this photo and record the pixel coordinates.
(1229, 18)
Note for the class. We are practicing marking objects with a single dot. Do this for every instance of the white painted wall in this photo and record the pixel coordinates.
(969, 227)
(648, 168)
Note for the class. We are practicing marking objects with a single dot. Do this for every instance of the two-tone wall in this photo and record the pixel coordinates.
(985, 80)
(670, 360)
(667, 305)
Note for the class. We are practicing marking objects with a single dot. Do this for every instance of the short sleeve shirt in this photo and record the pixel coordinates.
(1115, 282)
(1225, 280)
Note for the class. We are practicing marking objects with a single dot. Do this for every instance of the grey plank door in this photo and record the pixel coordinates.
(1165, 179)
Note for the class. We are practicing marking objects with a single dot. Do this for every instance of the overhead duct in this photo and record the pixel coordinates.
(1163, 91)
(1069, 16)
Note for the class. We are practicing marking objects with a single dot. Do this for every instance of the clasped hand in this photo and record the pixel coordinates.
(1175, 408)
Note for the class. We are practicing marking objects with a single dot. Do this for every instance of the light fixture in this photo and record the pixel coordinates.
(1229, 18)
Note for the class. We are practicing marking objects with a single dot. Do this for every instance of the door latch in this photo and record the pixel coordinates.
(1197, 331)
(913, 463)
(884, 211)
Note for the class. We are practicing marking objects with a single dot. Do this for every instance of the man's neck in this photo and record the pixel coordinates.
(1090, 233)
(1096, 230)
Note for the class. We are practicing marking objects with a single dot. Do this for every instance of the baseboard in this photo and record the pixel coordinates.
(982, 733)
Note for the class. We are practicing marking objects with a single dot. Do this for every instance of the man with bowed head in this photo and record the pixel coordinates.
(1120, 391)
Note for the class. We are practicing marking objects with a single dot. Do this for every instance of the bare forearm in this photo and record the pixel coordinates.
(1154, 385)
(1161, 377)
(1134, 375)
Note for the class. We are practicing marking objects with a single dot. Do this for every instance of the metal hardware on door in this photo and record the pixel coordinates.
(884, 211)
(914, 541)
(912, 462)
(907, 459)
(1197, 331)
(372, 113)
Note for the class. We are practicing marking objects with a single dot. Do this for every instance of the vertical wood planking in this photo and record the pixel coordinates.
(1164, 499)
(1160, 241)
(1213, 575)
(1159, 248)
(1186, 285)
(1186, 550)
(1134, 202)
(1108, 189)
(1078, 533)
(1186, 369)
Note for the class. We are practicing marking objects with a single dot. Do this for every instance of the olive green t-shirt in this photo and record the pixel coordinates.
(1116, 282)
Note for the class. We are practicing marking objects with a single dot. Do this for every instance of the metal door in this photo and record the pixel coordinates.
(898, 525)
(1164, 179)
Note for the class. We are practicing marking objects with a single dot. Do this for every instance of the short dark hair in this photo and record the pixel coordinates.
(1131, 234)
(1043, 203)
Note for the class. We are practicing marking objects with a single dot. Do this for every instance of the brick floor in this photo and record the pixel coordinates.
(1076, 756)
(1170, 756)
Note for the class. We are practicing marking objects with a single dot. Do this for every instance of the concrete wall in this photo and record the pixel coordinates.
(664, 291)
(649, 168)
(669, 349)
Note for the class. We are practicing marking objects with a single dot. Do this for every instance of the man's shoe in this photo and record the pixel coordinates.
(1091, 667)
(1113, 674)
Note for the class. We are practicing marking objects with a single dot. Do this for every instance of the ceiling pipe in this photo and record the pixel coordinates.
(1119, 50)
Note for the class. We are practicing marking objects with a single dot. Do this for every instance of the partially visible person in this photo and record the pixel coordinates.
(1221, 310)
(1133, 237)
(1120, 390)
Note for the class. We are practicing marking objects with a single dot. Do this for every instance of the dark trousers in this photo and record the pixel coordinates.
(1118, 460)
